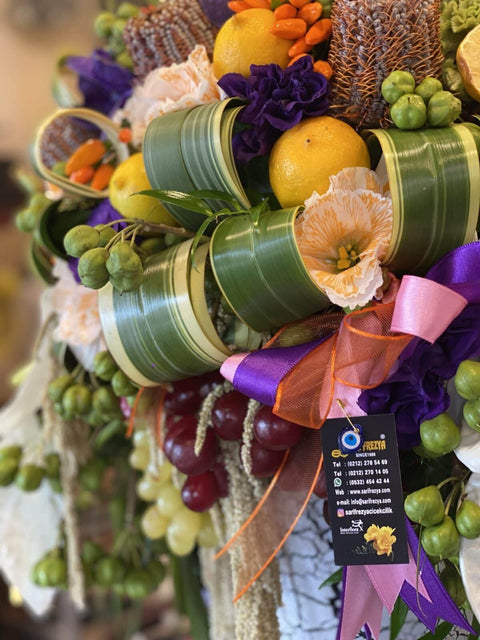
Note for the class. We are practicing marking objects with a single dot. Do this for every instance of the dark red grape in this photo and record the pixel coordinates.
(264, 461)
(320, 488)
(188, 394)
(179, 447)
(199, 493)
(275, 433)
(221, 476)
(228, 414)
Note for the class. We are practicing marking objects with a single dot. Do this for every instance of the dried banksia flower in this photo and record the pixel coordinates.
(370, 39)
(167, 35)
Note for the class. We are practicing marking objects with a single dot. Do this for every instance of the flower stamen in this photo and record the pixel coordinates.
(347, 257)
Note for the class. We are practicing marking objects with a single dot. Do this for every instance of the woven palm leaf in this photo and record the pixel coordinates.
(167, 35)
(370, 39)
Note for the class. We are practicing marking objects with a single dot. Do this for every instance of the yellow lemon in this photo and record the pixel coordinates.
(128, 178)
(305, 156)
(468, 62)
(245, 39)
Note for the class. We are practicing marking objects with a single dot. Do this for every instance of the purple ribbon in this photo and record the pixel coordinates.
(459, 270)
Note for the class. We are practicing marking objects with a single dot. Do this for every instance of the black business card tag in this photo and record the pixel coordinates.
(364, 488)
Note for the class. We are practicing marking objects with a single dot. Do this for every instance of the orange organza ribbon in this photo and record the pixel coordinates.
(358, 356)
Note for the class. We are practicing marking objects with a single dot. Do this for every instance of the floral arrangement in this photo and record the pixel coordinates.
(274, 226)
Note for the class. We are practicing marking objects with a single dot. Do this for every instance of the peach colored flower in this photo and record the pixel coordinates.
(168, 89)
(344, 234)
(382, 538)
(78, 315)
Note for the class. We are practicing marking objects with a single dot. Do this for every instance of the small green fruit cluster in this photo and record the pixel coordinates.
(467, 384)
(441, 535)
(414, 107)
(120, 264)
(51, 570)
(110, 26)
(28, 477)
(28, 219)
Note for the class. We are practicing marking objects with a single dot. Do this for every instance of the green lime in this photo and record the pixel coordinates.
(80, 239)
(440, 434)
(443, 109)
(29, 477)
(468, 519)
(471, 413)
(58, 386)
(397, 84)
(92, 268)
(427, 87)
(467, 379)
(409, 112)
(441, 539)
(8, 471)
(425, 506)
(104, 366)
(108, 571)
(122, 385)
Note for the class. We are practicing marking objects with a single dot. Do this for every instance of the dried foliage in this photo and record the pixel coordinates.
(370, 39)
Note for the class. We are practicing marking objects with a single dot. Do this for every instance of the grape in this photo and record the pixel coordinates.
(188, 394)
(141, 438)
(199, 493)
(139, 458)
(274, 432)
(148, 487)
(221, 477)
(154, 524)
(206, 535)
(228, 414)
(178, 544)
(320, 488)
(169, 500)
(179, 447)
(186, 522)
(264, 461)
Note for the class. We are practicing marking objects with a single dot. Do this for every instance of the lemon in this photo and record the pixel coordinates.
(245, 39)
(468, 62)
(305, 156)
(128, 178)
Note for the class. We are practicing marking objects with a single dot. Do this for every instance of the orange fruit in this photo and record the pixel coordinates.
(245, 39)
(468, 62)
(304, 157)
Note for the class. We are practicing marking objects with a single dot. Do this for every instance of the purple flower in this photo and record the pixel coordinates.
(277, 100)
(416, 391)
(105, 85)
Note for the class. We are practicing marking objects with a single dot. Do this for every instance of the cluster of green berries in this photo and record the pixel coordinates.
(28, 477)
(110, 26)
(96, 403)
(412, 107)
(28, 219)
(102, 259)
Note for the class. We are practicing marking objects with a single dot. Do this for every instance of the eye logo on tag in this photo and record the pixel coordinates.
(350, 439)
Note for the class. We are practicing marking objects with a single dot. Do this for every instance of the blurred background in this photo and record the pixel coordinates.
(34, 34)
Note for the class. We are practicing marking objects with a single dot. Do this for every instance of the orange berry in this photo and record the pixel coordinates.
(102, 177)
(285, 11)
(298, 47)
(310, 12)
(290, 29)
(300, 55)
(238, 5)
(88, 153)
(319, 32)
(83, 175)
(324, 68)
(258, 4)
(299, 3)
(125, 135)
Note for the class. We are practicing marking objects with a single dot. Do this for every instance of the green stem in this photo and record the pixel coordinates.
(450, 498)
(137, 229)
(166, 228)
(446, 481)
